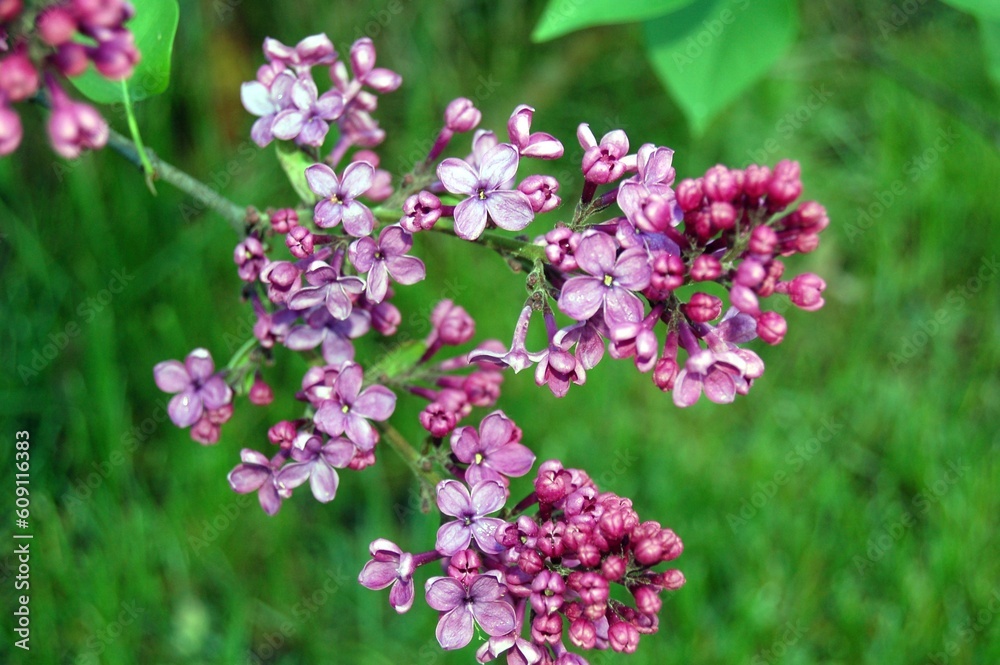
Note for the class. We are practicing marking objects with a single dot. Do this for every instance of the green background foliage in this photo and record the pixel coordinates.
(843, 512)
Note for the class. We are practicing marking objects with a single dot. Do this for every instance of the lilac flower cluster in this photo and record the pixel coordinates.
(65, 38)
(535, 584)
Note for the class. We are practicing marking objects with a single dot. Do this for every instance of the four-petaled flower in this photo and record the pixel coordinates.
(390, 565)
(327, 287)
(610, 283)
(471, 509)
(317, 462)
(266, 101)
(349, 408)
(308, 119)
(491, 453)
(256, 473)
(481, 602)
(485, 187)
(384, 259)
(339, 196)
(198, 388)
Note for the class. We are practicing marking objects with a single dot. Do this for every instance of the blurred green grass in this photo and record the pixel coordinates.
(868, 551)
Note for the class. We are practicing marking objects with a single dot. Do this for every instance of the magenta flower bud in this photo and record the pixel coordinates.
(205, 432)
(10, 130)
(722, 214)
(283, 219)
(541, 192)
(530, 562)
(249, 257)
(689, 194)
(464, 566)
(613, 567)
(756, 180)
(362, 57)
(771, 327)
(547, 591)
(671, 580)
(56, 25)
(612, 525)
(744, 299)
(624, 637)
(18, 77)
(582, 633)
(260, 392)
(538, 145)
(386, 318)
(300, 242)
(547, 628)
(785, 185)
(552, 483)
(420, 212)
(647, 551)
(665, 373)
(550, 539)
(101, 13)
(702, 307)
(589, 555)
(561, 242)
(452, 323)
(592, 587)
(282, 434)
(668, 272)
(483, 388)
(647, 599)
(461, 115)
(805, 291)
(706, 268)
(9, 9)
(437, 420)
(811, 217)
(671, 544)
(381, 188)
(604, 162)
(74, 126)
(117, 57)
(720, 185)
(71, 59)
(282, 278)
(750, 273)
(805, 243)
(763, 240)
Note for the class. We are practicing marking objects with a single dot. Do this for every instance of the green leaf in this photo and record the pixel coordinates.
(154, 27)
(564, 16)
(401, 359)
(979, 8)
(294, 162)
(989, 31)
(710, 52)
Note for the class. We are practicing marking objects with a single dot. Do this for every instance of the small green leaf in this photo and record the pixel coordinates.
(154, 27)
(710, 52)
(989, 31)
(978, 8)
(294, 162)
(564, 16)
(401, 359)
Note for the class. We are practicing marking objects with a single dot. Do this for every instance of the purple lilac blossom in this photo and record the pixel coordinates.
(454, 499)
(492, 453)
(316, 462)
(338, 197)
(349, 408)
(610, 283)
(390, 565)
(198, 388)
(307, 120)
(384, 259)
(482, 602)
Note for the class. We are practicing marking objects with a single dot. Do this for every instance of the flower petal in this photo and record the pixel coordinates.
(256, 98)
(323, 482)
(215, 393)
(452, 537)
(470, 218)
(453, 498)
(581, 297)
(495, 431)
(458, 177)
(293, 475)
(498, 166)
(444, 593)
(358, 179)
(495, 618)
(488, 497)
(484, 531)
(512, 460)
(199, 365)
(687, 388)
(406, 269)
(288, 124)
(401, 595)
(358, 219)
(361, 432)
(322, 180)
(510, 210)
(455, 629)
(596, 254)
(246, 478)
(465, 444)
(185, 408)
(378, 574)
(171, 376)
(375, 402)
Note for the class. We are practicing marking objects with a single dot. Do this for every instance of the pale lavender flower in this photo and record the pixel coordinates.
(328, 287)
(198, 388)
(492, 453)
(481, 602)
(390, 565)
(517, 357)
(722, 370)
(364, 69)
(256, 474)
(508, 208)
(308, 119)
(454, 499)
(266, 101)
(610, 283)
(334, 334)
(312, 50)
(519, 650)
(316, 462)
(338, 197)
(384, 259)
(349, 408)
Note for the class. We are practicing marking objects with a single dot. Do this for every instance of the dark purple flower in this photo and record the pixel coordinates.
(390, 565)
(349, 408)
(508, 208)
(266, 101)
(307, 120)
(481, 602)
(491, 453)
(610, 284)
(338, 197)
(256, 473)
(327, 286)
(198, 388)
(454, 499)
(316, 462)
(384, 259)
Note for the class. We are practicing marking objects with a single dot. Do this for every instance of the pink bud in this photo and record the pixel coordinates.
(461, 115)
(437, 420)
(547, 628)
(706, 268)
(750, 273)
(300, 242)
(805, 291)
(582, 633)
(689, 194)
(723, 215)
(744, 299)
(719, 184)
(205, 432)
(420, 212)
(624, 638)
(763, 240)
(756, 180)
(71, 59)
(771, 327)
(10, 130)
(283, 219)
(18, 77)
(647, 600)
(613, 567)
(541, 192)
(386, 318)
(702, 307)
(452, 323)
(260, 393)
(672, 579)
(9, 9)
(362, 57)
